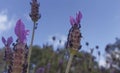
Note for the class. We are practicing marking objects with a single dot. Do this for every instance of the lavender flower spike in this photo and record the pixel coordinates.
(20, 31)
(74, 38)
(8, 52)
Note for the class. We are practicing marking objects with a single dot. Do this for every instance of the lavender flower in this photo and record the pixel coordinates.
(8, 51)
(19, 62)
(74, 36)
(40, 70)
(35, 11)
(35, 16)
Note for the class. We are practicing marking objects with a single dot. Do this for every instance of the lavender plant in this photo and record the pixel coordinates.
(74, 38)
(19, 63)
(35, 16)
(8, 52)
(16, 58)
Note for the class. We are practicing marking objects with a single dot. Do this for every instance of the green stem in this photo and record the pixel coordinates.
(69, 63)
(33, 71)
(30, 49)
(91, 63)
(5, 68)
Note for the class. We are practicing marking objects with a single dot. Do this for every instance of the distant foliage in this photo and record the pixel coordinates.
(113, 56)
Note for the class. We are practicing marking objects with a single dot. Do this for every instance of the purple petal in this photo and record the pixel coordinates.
(78, 17)
(27, 32)
(3, 40)
(9, 41)
(20, 31)
(72, 20)
(19, 28)
(23, 36)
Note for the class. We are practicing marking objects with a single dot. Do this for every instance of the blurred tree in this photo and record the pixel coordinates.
(113, 56)
(55, 61)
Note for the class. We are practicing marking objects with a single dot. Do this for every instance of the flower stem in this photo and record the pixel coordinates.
(30, 49)
(69, 63)
(5, 68)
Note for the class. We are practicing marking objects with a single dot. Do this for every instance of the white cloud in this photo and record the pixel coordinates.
(102, 62)
(5, 23)
(56, 43)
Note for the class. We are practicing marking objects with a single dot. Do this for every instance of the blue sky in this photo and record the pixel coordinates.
(100, 23)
